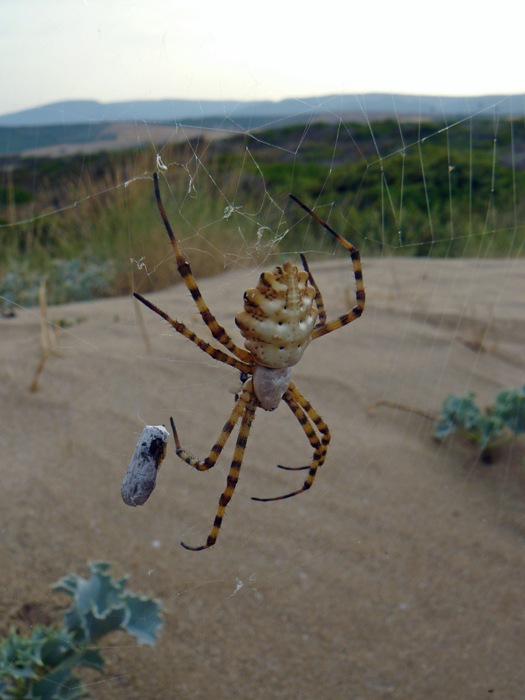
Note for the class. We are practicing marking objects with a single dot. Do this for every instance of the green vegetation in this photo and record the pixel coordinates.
(486, 429)
(40, 664)
(394, 188)
(13, 139)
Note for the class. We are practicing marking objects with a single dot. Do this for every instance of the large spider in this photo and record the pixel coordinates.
(280, 319)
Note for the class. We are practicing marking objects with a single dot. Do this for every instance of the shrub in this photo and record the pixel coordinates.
(486, 429)
(40, 665)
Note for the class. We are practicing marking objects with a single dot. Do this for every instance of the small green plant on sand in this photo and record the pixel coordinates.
(487, 428)
(40, 665)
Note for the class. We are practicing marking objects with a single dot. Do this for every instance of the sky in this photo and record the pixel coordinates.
(114, 50)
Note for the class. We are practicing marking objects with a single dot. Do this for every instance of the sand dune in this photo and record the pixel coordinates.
(399, 575)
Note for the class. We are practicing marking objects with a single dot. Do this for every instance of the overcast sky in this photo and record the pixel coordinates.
(112, 50)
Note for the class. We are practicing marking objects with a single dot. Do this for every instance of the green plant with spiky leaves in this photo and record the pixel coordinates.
(40, 665)
(487, 429)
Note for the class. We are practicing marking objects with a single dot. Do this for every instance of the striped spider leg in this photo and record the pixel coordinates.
(281, 316)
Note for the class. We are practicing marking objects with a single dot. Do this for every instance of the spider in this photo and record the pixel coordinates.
(281, 317)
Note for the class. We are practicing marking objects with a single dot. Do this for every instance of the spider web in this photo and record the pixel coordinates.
(379, 578)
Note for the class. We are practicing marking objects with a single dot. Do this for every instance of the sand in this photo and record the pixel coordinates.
(400, 574)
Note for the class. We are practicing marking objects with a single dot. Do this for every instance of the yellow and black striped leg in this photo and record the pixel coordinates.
(183, 266)
(307, 427)
(305, 412)
(233, 476)
(217, 354)
(203, 465)
(316, 420)
(360, 295)
(321, 313)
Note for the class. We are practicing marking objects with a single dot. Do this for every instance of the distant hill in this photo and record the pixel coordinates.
(81, 126)
(83, 111)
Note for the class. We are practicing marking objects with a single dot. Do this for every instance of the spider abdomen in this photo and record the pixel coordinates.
(278, 317)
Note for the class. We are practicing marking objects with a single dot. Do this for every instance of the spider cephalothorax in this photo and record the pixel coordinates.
(281, 317)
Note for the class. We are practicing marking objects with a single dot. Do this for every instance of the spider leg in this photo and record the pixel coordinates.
(305, 412)
(321, 319)
(307, 427)
(233, 474)
(183, 266)
(360, 295)
(217, 354)
(208, 462)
